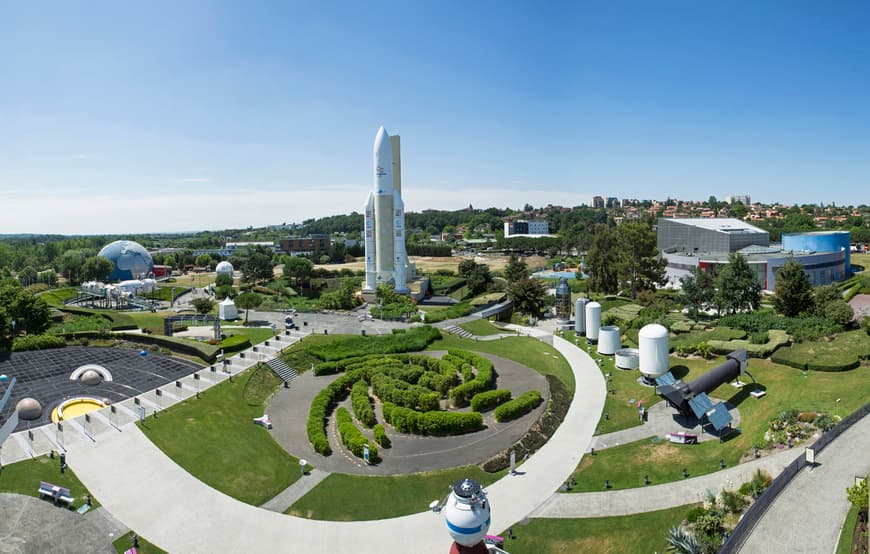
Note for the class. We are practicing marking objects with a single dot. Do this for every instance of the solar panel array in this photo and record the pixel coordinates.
(719, 417)
(666, 379)
(44, 375)
(700, 405)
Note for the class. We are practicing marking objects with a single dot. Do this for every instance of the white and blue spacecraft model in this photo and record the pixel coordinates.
(467, 514)
(384, 233)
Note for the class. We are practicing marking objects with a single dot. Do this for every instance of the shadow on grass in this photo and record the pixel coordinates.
(679, 371)
(744, 392)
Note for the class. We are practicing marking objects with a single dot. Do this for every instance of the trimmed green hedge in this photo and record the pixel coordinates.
(37, 342)
(234, 343)
(461, 309)
(775, 339)
(352, 438)
(843, 353)
(396, 391)
(362, 406)
(416, 338)
(322, 404)
(460, 395)
(519, 406)
(488, 400)
(406, 420)
(381, 436)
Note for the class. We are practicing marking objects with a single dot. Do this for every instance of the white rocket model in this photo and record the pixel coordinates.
(386, 259)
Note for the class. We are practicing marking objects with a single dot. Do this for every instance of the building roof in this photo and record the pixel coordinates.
(719, 224)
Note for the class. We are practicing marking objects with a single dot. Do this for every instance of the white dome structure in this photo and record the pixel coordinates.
(29, 409)
(654, 350)
(593, 320)
(224, 268)
(609, 340)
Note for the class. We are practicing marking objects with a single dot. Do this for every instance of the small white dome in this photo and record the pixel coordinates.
(224, 268)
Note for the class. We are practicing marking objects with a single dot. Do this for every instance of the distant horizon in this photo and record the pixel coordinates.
(121, 118)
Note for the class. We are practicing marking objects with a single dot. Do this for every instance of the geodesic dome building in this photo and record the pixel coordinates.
(224, 268)
(129, 259)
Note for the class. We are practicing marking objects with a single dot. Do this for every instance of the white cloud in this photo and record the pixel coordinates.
(140, 212)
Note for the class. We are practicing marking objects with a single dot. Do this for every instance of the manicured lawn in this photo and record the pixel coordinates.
(151, 320)
(638, 533)
(845, 351)
(786, 388)
(530, 352)
(255, 334)
(125, 542)
(621, 405)
(56, 297)
(342, 497)
(214, 439)
(483, 328)
(164, 292)
(24, 477)
(718, 333)
(844, 545)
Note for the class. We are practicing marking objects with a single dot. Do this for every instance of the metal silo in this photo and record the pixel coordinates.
(580, 316)
(593, 321)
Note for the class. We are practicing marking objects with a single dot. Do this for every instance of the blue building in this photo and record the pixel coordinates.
(820, 241)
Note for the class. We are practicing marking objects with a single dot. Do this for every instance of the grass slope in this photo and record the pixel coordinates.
(342, 497)
(637, 533)
(786, 388)
(125, 542)
(482, 327)
(214, 439)
(530, 352)
(24, 477)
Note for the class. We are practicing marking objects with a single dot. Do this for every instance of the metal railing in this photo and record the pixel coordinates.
(753, 515)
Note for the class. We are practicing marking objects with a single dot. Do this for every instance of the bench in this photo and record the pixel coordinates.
(55, 492)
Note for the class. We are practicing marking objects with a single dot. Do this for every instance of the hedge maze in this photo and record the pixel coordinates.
(416, 392)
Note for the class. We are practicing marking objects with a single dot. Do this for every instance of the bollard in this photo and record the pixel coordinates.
(646, 479)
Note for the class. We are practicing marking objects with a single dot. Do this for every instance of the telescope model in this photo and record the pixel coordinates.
(468, 517)
(691, 399)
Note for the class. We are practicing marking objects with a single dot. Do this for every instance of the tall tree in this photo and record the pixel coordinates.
(298, 269)
(527, 295)
(602, 260)
(202, 305)
(738, 287)
(793, 293)
(96, 268)
(639, 265)
(248, 301)
(697, 290)
(478, 279)
(203, 260)
(515, 269)
(466, 266)
(257, 265)
(824, 295)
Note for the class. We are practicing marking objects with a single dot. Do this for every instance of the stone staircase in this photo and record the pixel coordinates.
(459, 331)
(282, 370)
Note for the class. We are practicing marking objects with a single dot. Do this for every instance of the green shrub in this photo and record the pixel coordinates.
(362, 406)
(381, 436)
(825, 422)
(461, 309)
(352, 438)
(37, 342)
(759, 337)
(460, 395)
(399, 392)
(417, 338)
(694, 513)
(488, 400)
(734, 502)
(234, 343)
(406, 420)
(519, 406)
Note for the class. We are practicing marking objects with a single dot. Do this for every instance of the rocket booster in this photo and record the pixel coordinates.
(386, 258)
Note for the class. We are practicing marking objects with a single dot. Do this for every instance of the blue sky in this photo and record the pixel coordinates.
(117, 117)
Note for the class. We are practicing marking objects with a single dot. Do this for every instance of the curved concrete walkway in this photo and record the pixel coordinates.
(808, 515)
(660, 497)
(148, 492)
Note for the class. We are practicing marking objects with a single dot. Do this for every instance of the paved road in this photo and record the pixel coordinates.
(808, 515)
(29, 524)
(196, 518)
(659, 497)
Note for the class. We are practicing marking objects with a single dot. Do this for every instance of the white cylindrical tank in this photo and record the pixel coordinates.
(467, 513)
(593, 320)
(580, 316)
(627, 358)
(654, 349)
(608, 340)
